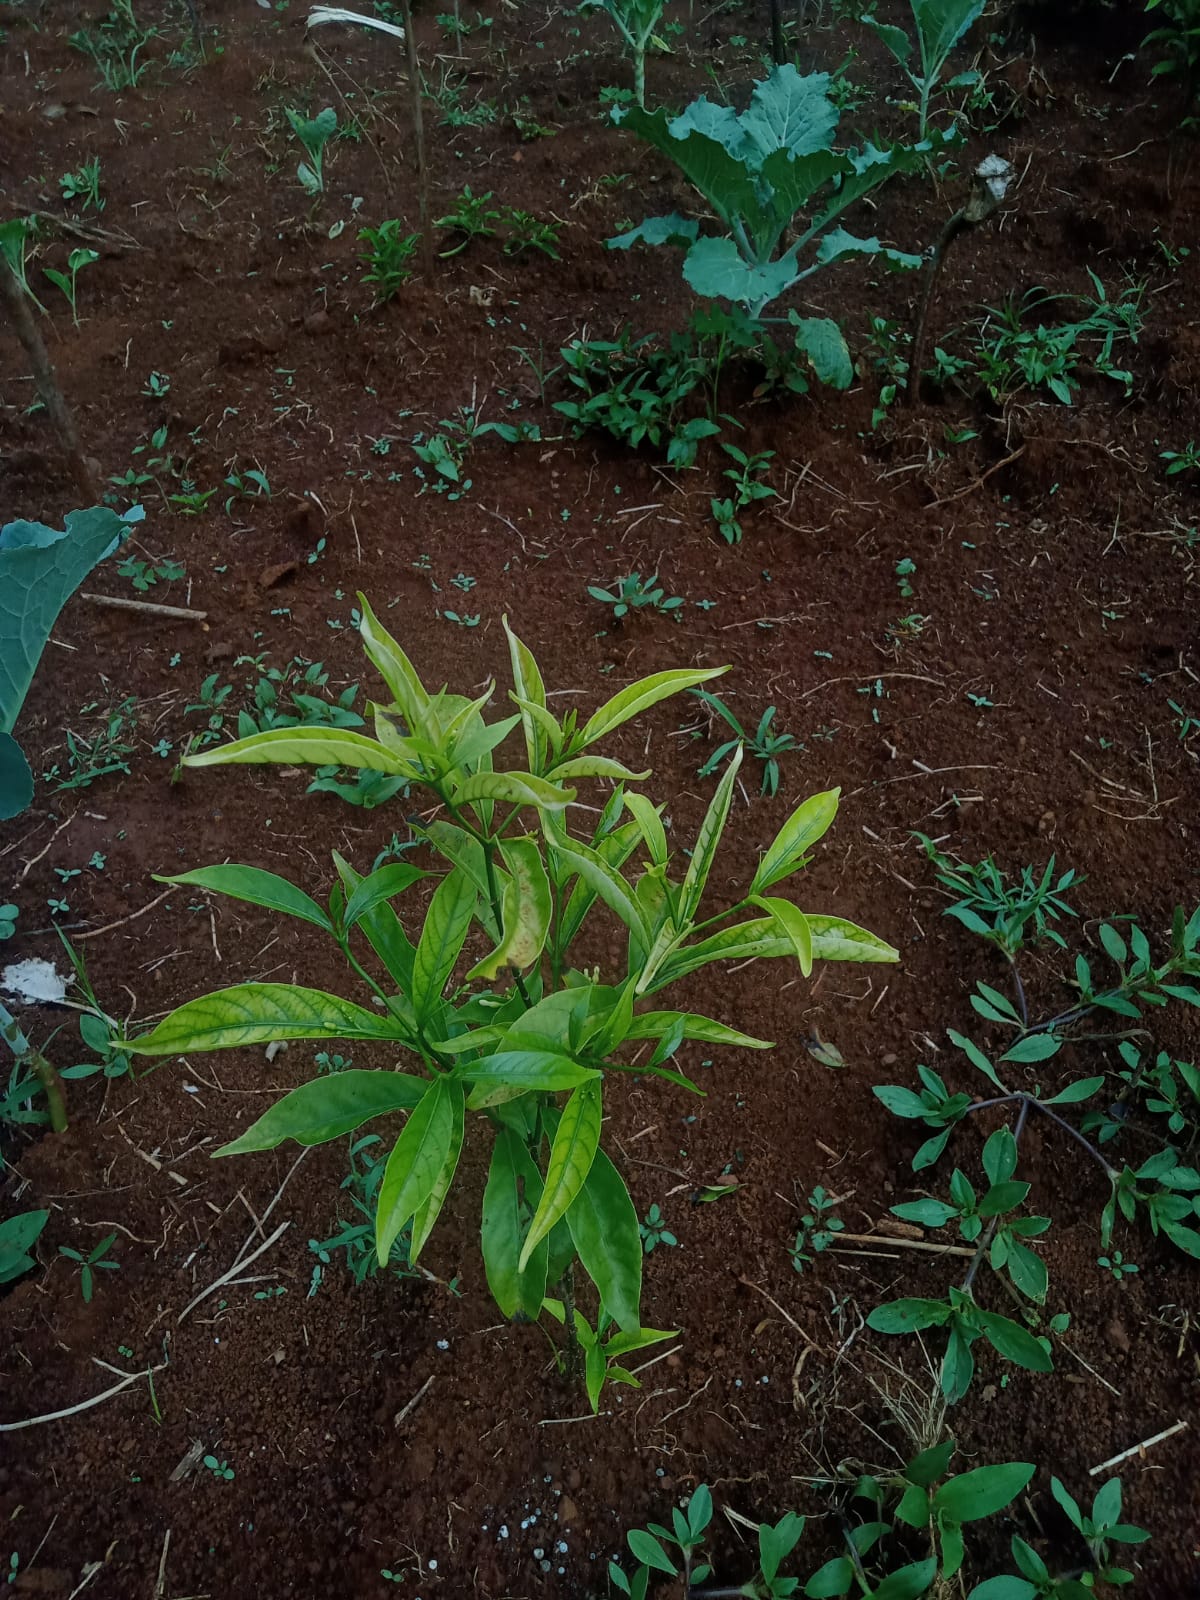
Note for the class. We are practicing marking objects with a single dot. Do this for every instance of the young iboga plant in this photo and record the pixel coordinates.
(521, 1036)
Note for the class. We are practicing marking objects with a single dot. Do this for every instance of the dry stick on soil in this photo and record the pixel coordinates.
(977, 483)
(84, 1405)
(150, 608)
(1137, 1449)
(43, 376)
(414, 1402)
(233, 1271)
(889, 1240)
(94, 933)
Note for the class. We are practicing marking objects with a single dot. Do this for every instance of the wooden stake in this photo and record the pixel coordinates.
(418, 123)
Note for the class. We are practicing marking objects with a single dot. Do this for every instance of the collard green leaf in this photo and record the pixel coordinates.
(790, 112)
(328, 1107)
(417, 1162)
(260, 1013)
(16, 779)
(715, 267)
(673, 229)
(823, 344)
(571, 1156)
(940, 25)
(257, 888)
(700, 155)
(837, 243)
(605, 1232)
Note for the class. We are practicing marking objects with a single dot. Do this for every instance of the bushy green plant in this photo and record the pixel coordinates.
(388, 258)
(522, 1026)
(756, 172)
(940, 24)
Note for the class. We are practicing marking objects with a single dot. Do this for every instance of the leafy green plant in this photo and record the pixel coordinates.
(388, 258)
(18, 1235)
(635, 21)
(762, 743)
(83, 185)
(633, 390)
(527, 232)
(1179, 37)
(1185, 460)
(1098, 1531)
(756, 172)
(356, 1238)
(523, 1026)
(40, 568)
(14, 245)
(108, 750)
(95, 1261)
(314, 134)
(473, 217)
(601, 1347)
(9, 914)
(746, 475)
(632, 593)
(220, 1469)
(940, 24)
(144, 575)
(819, 1228)
(654, 1231)
(115, 46)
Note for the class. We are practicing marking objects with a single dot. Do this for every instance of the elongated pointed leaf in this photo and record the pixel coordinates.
(597, 767)
(417, 1162)
(645, 814)
(394, 667)
(260, 1013)
(257, 888)
(571, 1157)
(514, 1185)
(527, 906)
(640, 696)
(446, 926)
(314, 746)
(789, 849)
(515, 789)
(604, 1229)
(382, 929)
(835, 939)
(793, 924)
(328, 1107)
(983, 1491)
(378, 887)
(428, 1211)
(707, 840)
(547, 1071)
(527, 681)
(654, 1024)
(606, 882)
(614, 850)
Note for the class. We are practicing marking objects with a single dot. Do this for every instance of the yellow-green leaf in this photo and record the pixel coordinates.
(513, 788)
(808, 823)
(640, 696)
(426, 1214)
(328, 1107)
(571, 1157)
(316, 747)
(531, 697)
(445, 931)
(394, 667)
(792, 924)
(256, 888)
(527, 905)
(646, 815)
(260, 1013)
(416, 1163)
(707, 841)
(605, 881)
(835, 939)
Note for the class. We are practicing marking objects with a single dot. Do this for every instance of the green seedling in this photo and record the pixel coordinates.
(746, 475)
(115, 47)
(158, 387)
(1179, 37)
(632, 594)
(356, 1238)
(76, 261)
(1185, 460)
(90, 1264)
(1117, 1265)
(145, 575)
(519, 1037)
(221, 1470)
(9, 914)
(940, 25)
(819, 1228)
(525, 232)
(473, 216)
(654, 1231)
(83, 186)
(314, 134)
(602, 1348)
(1006, 912)
(14, 245)
(766, 746)
(107, 751)
(1102, 1528)
(388, 257)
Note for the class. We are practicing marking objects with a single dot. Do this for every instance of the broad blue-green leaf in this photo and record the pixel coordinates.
(707, 840)
(640, 696)
(417, 1161)
(571, 1156)
(895, 39)
(791, 112)
(714, 267)
(940, 25)
(257, 888)
(427, 1212)
(835, 939)
(824, 344)
(442, 938)
(604, 1229)
(789, 849)
(673, 229)
(378, 887)
(40, 568)
(838, 243)
(328, 1107)
(516, 1293)
(314, 746)
(700, 155)
(394, 667)
(260, 1013)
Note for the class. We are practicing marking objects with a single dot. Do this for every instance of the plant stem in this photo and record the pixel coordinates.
(57, 410)
(639, 75)
(27, 1056)
(1020, 988)
(778, 53)
(989, 1232)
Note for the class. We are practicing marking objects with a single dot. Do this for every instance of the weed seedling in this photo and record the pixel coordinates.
(83, 186)
(632, 594)
(89, 1265)
(76, 261)
(746, 476)
(819, 1227)
(314, 134)
(527, 233)
(115, 46)
(221, 1470)
(473, 217)
(1185, 460)
(762, 743)
(654, 1231)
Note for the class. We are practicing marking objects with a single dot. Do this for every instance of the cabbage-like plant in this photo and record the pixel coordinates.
(493, 1013)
